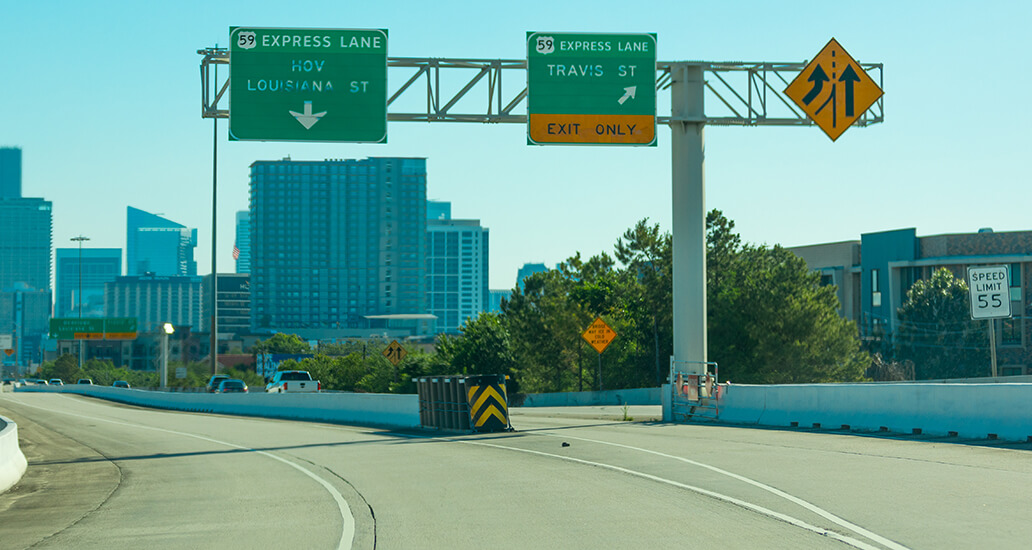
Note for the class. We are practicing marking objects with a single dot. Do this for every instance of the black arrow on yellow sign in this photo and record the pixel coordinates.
(487, 407)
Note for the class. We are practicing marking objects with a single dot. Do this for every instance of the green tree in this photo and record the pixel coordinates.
(545, 324)
(282, 343)
(484, 347)
(648, 257)
(66, 367)
(770, 320)
(936, 331)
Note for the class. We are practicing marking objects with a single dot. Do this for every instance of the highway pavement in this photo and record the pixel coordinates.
(103, 475)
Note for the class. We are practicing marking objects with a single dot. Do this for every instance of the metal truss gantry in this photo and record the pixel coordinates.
(745, 93)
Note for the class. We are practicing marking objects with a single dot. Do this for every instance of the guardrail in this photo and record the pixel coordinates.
(363, 409)
(12, 461)
(972, 411)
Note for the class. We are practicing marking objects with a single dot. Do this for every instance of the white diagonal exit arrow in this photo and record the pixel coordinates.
(308, 118)
(628, 93)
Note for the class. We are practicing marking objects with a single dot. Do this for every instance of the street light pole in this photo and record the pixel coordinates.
(166, 330)
(80, 239)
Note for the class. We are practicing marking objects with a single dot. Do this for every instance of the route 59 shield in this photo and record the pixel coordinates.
(833, 90)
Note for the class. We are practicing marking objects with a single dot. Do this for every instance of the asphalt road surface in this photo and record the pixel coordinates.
(103, 475)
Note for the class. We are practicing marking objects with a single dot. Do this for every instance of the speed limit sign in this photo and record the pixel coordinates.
(990, 292)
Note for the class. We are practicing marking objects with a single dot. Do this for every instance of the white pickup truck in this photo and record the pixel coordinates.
(293, 381)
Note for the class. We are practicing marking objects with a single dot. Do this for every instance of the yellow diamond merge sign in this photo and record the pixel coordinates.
(599, 335)
(394, 353)
(833, 90)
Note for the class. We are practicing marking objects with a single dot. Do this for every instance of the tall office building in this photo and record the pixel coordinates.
(10, 173)
(438, 210)
(98, 266)
(155, 300)
(335, 241)
(456, 268)
(526, 271)
(242, 246)
(25, 241)
(25, 315)
(495, 297)
(158, 246)
(233, 303)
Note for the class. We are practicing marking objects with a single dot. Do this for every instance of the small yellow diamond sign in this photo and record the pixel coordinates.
(833, 90)
(599, 335)
(395, 353)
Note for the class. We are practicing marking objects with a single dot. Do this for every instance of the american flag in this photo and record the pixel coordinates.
(236, 252)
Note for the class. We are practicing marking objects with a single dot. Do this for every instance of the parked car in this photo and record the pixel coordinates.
(232, 385)
(293, 381)
(215, 380)
(56, 382)
(84, 381)
(120, 384)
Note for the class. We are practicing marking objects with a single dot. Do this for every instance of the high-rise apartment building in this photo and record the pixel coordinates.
(25, 242)
(98, 267)
(242, 246)
(158, 246)
(456, 268)
(10, 173)
(155, 300)
(335, 241)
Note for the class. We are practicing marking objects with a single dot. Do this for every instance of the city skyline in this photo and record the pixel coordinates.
(95, 140)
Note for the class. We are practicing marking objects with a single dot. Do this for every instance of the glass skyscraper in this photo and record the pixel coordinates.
(155, 245)
(334, 241)
(242, 246)
(26, 227)
(99, 266)
(10, 173)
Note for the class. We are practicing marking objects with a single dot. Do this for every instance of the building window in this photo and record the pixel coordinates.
(875, 289)
(1010, 333)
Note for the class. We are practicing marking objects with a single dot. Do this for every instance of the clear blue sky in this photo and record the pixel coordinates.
(104, 100)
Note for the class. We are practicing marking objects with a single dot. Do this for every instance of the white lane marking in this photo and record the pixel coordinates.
(809, 506)
(719, 496)
(726, 498)
(348, 531)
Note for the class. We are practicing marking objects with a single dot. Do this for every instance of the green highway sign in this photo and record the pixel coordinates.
(591, 88)
(98, 328)
(308, 84)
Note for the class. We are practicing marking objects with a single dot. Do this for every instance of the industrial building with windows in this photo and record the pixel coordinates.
(874, 274)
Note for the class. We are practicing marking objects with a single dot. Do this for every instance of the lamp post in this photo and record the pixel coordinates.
(80, 239)
(166, 330)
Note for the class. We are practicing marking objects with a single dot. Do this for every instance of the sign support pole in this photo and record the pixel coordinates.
(992, 345)
(214, 246)
(600, 371)
(687, 124)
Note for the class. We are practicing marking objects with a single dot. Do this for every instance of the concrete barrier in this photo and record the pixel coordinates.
(12, 461)
(378, 410)
(975, 411)
(639, 396)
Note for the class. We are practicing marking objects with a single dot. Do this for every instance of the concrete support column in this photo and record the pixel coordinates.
(689, 217)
